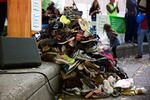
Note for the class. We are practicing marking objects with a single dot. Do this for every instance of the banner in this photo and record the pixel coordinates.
(36, 24)
(118, 24)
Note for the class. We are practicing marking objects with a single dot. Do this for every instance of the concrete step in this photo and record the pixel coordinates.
(130, 49)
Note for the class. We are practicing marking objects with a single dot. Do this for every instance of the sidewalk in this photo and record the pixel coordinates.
(139, 70)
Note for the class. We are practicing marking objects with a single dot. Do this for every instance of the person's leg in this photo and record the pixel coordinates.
(148, 40)
(135, 26)
(148, 19)
(114, 52)
(130, 28)
(127, 29)
(3, 14)
(140, 43)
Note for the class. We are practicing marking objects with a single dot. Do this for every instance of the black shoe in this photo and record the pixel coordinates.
(138, 56)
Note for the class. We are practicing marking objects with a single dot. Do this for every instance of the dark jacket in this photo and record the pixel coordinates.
(131, 7)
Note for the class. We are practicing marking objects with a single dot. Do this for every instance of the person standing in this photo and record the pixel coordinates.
(148, 21)
(142, 31)
(130, 18)
(144, 27)
(148, 13)
(94, 10)
(112, 35)
(112, 9)
(3, 15)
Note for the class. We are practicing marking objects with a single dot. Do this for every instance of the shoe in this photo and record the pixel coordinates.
(111, 80)
(64, 59)
(82, 56)
(107, 87)
(67, 40)
(138, 56)
(128, 92)
(89, 39)
(58, 25)
(140, 91)
(67, 76)
(83, 24)
(116, 93)
(64, 20)
(66, 37)
(98, 79)
(89, 64)
(100, 95)
(88, 82)
(72, 67)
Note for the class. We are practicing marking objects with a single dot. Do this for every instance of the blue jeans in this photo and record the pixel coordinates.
(141, 36)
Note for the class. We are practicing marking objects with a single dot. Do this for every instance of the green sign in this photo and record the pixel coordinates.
(118, 24)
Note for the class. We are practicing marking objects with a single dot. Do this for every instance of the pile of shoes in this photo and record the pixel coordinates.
(87, 69)
(72, 11)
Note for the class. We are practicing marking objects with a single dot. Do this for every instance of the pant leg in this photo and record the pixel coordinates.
(148, 40)
(130, 28)
(127, 33)
(148, 19)
(3, 14)
(114, 52)
(140, 41)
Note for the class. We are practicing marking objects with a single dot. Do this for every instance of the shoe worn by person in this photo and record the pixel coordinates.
(138, 56)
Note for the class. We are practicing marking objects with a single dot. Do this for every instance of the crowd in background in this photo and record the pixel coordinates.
(137, 19)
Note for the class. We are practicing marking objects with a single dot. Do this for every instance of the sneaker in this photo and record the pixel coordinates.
(128, 92)
(138, 56)
(107, 87)
(92, 49)
(116, 93)
(89, 39)
(100, 95)
(87, 81)
(89, 94)
(82, 56)
(79, 35)
(140, 91)
(64, 20)
(73, 66)
(67, 76)
(65, 59)
(67, 40)
(98, 79)
(89, 64)
(83, 24)
(111, 80)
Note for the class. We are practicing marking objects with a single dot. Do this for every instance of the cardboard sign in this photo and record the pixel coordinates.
(36, 15)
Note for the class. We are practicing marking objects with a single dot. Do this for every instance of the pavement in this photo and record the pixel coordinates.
(138, 69)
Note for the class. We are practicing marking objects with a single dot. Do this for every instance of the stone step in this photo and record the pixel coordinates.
(130, 49)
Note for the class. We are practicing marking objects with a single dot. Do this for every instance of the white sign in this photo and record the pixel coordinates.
(36, 15)
(100, 21)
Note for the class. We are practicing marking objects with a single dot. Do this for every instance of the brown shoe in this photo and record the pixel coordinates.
(89, 64)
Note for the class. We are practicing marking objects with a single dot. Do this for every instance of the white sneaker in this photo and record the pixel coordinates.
(107, 87)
